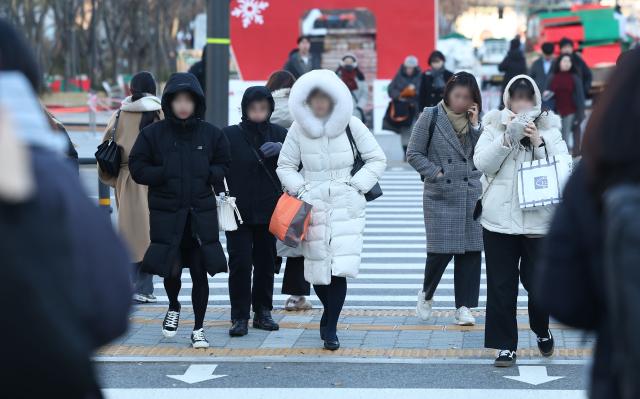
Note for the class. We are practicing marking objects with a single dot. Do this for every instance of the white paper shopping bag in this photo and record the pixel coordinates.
(540, 182)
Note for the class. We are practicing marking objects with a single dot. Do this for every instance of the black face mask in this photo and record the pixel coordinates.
(349, 67)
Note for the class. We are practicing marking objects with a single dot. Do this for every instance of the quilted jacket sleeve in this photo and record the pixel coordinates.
(289, 162)
(372, 155)
(490, 151)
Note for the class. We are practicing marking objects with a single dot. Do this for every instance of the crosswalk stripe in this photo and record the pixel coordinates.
(350, 297)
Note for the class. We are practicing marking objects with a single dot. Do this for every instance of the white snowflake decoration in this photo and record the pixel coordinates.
(250, 11)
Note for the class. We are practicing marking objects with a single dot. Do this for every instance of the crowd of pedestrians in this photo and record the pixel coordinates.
(299, 135)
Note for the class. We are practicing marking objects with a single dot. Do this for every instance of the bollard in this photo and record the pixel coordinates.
(104, 197)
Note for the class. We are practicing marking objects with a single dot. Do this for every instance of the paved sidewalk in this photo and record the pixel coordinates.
(362, 333)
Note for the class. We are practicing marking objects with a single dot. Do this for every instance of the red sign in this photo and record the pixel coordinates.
(263, 32)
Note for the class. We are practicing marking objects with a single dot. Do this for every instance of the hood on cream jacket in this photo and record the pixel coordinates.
(333, 243)
(499, 162)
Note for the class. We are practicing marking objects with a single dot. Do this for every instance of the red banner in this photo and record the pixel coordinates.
(263, 32)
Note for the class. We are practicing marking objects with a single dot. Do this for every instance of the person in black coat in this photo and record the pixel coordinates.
(513, 64)
(180, 158)
(255, 145)
(572, 273)
(199, 70)
(433, 81)
(64, 278)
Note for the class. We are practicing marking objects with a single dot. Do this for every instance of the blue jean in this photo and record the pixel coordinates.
(142, 282)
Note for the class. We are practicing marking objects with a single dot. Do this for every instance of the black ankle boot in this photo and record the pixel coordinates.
(332, 344)
(262, 320)
(239, 328)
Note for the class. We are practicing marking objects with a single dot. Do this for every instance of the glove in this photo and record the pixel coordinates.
(270, 149)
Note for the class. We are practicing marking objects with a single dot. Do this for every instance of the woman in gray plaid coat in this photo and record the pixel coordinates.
(441, 150)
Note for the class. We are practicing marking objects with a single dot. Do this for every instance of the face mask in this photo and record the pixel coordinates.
(349, 67)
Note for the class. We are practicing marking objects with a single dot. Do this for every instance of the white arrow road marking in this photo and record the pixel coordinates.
(198, 373)
(534, 375)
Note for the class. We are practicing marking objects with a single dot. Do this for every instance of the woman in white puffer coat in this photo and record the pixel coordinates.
(322, 109)
(512, 235)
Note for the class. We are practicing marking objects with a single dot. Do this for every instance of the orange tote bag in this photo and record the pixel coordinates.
(290, 220)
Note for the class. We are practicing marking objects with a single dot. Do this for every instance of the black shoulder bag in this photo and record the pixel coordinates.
(109, 154)
(358, 163)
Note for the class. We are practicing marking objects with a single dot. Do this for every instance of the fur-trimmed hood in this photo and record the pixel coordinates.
(331, 84)
(498, 118)
(144, 104)
(281, 93)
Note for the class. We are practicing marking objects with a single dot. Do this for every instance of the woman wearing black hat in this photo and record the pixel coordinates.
(433, 81)
(180, 158)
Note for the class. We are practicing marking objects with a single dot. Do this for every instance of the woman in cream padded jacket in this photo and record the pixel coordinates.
(512, 235)
(322, 109)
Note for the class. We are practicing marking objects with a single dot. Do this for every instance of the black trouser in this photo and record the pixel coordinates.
(251, 247)
(332, 297)
(503, 253)
(466, 276)
(190, 257)
(293, 282)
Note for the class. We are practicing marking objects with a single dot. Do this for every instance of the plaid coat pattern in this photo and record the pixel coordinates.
(449, 200)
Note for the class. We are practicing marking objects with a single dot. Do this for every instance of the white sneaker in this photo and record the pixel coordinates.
(464, 317)
(424, 306)
(198, 340)
(145, 298)
(295, 302)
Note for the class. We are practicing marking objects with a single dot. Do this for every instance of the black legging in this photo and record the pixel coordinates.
(191, 257)
(332, 297)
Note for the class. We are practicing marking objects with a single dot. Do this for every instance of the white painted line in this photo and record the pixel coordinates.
(418, 221)
(335, 393)
(400, 230)
(197, 373)
(329, 359)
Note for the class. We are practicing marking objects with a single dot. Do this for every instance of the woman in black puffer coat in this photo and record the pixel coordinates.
(180, 159)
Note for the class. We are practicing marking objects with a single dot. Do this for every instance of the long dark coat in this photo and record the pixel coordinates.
(449, 200)
(256, 195)
(180, 161)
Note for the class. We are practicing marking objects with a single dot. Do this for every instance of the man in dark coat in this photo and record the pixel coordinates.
(255, 145)
(514, 63)
(302, 60)
(542, 67)
(180, 158)
(567, 47)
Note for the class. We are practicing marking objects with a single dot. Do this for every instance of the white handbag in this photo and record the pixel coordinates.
(227, 211)
(541, 181)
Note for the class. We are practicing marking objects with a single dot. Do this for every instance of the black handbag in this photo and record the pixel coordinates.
(109, 154)
(358, 163)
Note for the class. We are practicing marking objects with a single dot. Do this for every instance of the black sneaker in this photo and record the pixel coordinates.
(198, 340)
(239, 328)
(262, 320)
(506, 358)
(170, 323)
(546, 345)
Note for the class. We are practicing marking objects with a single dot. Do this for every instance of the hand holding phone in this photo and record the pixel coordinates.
(472, 114)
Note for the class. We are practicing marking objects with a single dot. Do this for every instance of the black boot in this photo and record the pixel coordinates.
(323, 325)
(239, 328)
(262, 320)
(332, 344)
